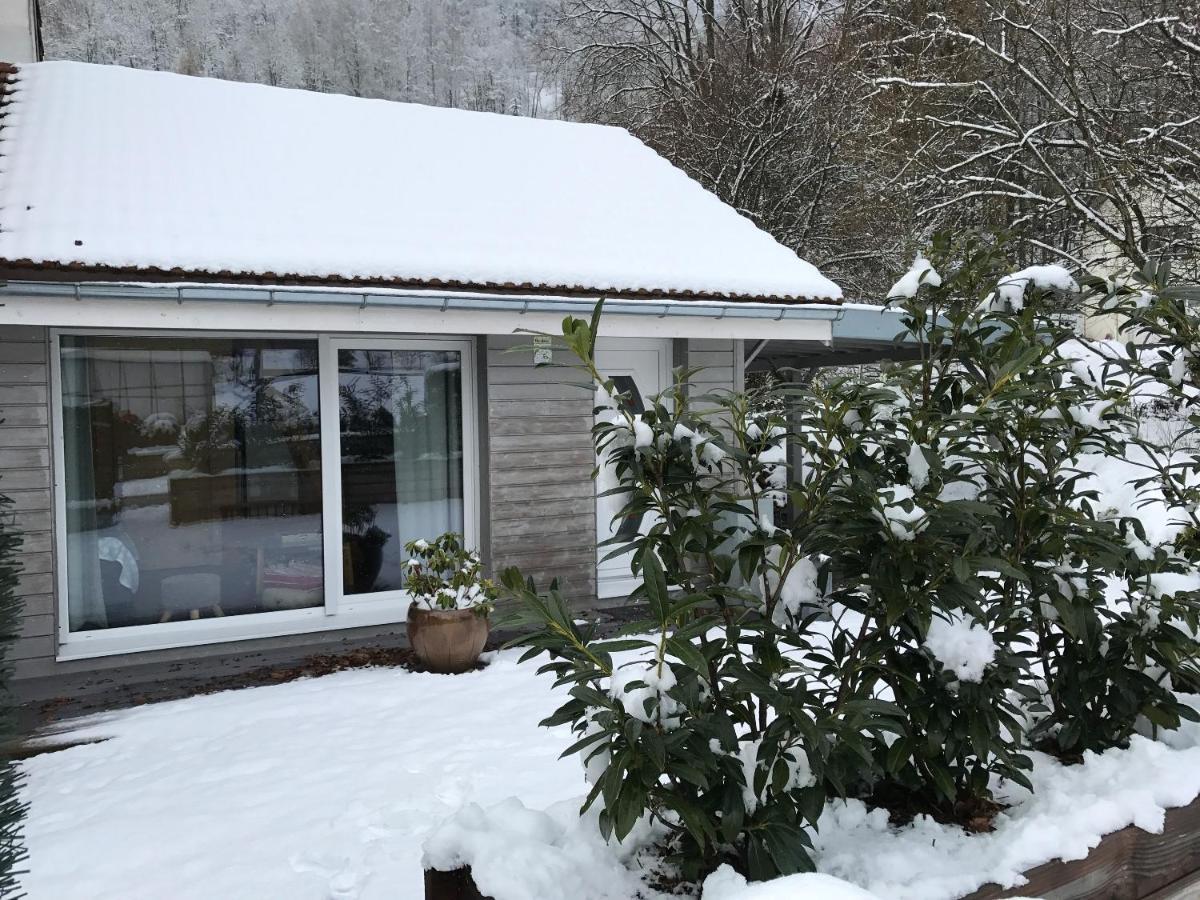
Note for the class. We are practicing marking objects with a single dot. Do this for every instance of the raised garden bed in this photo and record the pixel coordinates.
(1130, 864)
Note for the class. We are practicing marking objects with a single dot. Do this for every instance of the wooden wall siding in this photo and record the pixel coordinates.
(720, 369)
(25, 478)
(716, 359)
(541, 498)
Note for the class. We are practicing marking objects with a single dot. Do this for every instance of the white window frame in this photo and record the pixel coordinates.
(339, 611)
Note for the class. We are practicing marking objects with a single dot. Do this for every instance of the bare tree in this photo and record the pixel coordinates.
(759, 100)
(1073, 123)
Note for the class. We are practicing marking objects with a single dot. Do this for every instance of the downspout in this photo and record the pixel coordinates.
(35, 24)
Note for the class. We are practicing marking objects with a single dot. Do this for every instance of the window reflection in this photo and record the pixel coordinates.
(193, 478)
(401, 445)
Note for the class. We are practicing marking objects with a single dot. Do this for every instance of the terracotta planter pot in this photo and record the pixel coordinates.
(447, 640)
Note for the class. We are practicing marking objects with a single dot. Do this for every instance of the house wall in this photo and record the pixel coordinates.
(25, 478)
(542, 499)
(719, 363)
(537, 493)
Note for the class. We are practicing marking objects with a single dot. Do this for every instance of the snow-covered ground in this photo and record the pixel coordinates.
(328, 788)
(316, 789)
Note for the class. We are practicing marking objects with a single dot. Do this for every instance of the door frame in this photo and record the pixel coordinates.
(331, 458)
(608, 587)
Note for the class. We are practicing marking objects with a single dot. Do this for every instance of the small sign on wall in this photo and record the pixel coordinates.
(543, 350)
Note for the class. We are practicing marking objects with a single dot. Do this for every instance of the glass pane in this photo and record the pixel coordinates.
(193, 478)
(401, 449)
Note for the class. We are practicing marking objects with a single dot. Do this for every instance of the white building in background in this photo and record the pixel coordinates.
(1165, 227)
(19, 39)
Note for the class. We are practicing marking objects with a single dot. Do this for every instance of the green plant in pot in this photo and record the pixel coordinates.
(451, 600)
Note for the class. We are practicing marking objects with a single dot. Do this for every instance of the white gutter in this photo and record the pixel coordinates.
(112, 305)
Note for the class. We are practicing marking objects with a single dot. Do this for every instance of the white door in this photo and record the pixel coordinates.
(641, 368)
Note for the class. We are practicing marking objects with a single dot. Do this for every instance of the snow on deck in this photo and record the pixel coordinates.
(119, 169)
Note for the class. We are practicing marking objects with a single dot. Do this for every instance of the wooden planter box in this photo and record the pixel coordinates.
(1129, 864)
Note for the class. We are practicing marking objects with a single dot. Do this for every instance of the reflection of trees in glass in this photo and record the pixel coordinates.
(378, 415)
(257, 419)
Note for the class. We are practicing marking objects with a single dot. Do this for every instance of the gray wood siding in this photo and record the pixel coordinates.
(716, 360)
(718, 364)
(25, 479)
(541, 496)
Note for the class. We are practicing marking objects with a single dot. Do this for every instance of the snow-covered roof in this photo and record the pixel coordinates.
(120, 173)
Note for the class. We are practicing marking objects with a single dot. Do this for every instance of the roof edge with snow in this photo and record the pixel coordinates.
(30, 270)
(34, 220)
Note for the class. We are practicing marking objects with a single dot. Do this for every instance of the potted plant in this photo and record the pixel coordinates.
(448, 616)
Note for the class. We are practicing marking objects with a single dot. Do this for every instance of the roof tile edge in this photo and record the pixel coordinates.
(31, 270)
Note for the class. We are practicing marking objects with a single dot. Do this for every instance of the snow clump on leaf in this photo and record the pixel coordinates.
(921, 272)
(900, 514)
(961, 646)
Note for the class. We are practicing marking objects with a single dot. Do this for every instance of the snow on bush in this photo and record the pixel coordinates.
(643, 689)
(921, 272)
(918, 467)
(963, 647)
(443, 574)
(1011, 288)
(899, 511)
(801, 593)
(793, 761)
(983, 602)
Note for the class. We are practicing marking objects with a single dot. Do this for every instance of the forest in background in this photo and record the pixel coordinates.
(849, 130)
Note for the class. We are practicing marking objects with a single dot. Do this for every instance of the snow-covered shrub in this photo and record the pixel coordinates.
(1156, 609)
(1005, 378)
(444, 574)
(715, 727)
(946, 593)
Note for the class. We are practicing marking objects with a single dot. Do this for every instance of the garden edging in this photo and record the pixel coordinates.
(1129, 864)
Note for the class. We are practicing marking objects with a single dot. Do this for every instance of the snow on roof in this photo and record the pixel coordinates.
(139, 174)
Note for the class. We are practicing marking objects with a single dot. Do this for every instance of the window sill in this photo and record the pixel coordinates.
(391, 610)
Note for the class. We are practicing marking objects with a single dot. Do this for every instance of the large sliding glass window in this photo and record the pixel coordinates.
(192, 476)
(400, 431)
